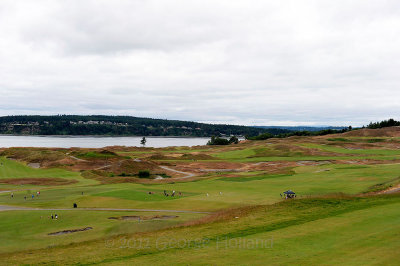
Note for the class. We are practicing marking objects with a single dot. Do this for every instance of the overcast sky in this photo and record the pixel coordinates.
(238, 62)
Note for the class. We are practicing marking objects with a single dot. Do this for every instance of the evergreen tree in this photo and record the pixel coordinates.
(143, 141)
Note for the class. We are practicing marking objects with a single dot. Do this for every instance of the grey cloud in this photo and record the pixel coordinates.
(97, 27)
(275, 62)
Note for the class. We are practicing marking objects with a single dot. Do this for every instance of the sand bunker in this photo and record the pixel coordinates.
(34, 165)
(135, 217)
(70, 231)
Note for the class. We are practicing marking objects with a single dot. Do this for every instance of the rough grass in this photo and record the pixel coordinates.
(383, 186)
(34, 155)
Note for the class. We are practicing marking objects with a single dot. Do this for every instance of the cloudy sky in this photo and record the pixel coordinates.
(240, 62)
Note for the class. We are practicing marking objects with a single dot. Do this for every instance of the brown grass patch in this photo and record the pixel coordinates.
(35, 155)
(380, 132)
(48, 181)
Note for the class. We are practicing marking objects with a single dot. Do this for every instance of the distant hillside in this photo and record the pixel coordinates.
(303, 128)
(380, 132)
(121, 126)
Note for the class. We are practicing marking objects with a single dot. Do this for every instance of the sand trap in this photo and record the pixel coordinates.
(34, 165)
(70, 231)
(135, 217)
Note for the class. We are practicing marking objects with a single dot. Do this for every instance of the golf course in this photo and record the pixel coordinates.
(304, 200)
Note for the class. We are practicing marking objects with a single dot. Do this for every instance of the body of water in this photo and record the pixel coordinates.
(95, 142)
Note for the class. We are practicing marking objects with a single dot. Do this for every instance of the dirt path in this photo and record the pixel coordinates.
(103, 167)
(14, 208)
(75, 158)
(187, 175)
(221, 170)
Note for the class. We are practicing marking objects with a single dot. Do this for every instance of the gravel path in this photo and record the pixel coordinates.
(12, 208)
(78, 159)
(103, 167)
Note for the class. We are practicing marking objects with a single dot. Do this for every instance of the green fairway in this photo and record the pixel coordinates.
(13, 169)
(140, 195)
(29, 229)
(241, 189)
(353, 151)
(249, 155)
(222, 191)
(341, 230)
(320, 238)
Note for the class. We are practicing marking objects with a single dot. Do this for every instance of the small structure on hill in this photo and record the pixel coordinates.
(289, 194)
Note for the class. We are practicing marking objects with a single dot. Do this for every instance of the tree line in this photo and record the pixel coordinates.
(121, 126)
(385, 123)
(268, 135)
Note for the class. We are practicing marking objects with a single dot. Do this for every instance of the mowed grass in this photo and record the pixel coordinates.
(268, 153)
(336, 149)
(329, 231)
(216, 192)
(356, 235)
(13, 169)
(141, 195)
(334, 229)
(22, 230)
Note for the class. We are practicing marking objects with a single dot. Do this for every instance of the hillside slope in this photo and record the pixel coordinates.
(380, 132)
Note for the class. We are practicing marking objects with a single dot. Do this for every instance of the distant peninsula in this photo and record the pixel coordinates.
(121, 126)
